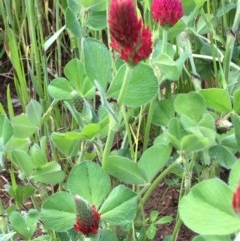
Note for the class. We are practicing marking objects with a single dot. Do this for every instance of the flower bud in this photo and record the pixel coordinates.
(222, 125)
(128, 35)
(236, 200)
(87, 220)
(77, 101)
(167, 12)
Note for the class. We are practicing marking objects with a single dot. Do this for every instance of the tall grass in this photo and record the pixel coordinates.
(27, 26)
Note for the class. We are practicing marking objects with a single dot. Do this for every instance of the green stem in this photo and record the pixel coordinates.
(152, 103)
(185, 188)
(176, 229)
(164, 40)
(231, 37)
(178, 220)
(194, 76)
(124, 86)
(125, 118)
(112, 121)
(109, 142)
(158, 180)
(164, 50)
(148, 125)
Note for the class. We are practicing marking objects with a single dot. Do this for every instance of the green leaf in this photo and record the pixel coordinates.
(22, 126)
(21, 193)
(211, 212)
(90, 182)
(75, 72)
(194, 142)
(211, 238)
(24, 224)
(163, 112)
(34, 112)
(153, 216)
(164, 220)
(217, 99)
(97, 61)
(23, 161)
(105, 235)
(168, 67)
(49, 173)
(207, 121)
(234, 177)
(60, 89)
(43, 238)
(153, 160)
(17, 144)
(58, 212)
(87, 133)
(97, 20)
(230, 142)
(72, 22)
(142, 86)
(236, 100)
(75, 6)
(191, 104)
(120, 207)
(223, 155)
(125, 170)
(236, 124)
(66, 146)
(189, 124)
(175, 132)
(6, 130)
(38, 155)
(151, 231)
(87, 4)
(188, 6)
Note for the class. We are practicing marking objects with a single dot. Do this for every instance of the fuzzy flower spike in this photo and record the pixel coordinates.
(236, 200)
(167, 12)
(88, 218)
(128, 35)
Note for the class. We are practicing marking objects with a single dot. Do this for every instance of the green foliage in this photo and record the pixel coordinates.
(118, 207)
(58, 212)
(211, 211)
(76, 120)
(24, 224)
(97, 61)
(217, 99)
(153, 160)
(94, 183)
(142, 86)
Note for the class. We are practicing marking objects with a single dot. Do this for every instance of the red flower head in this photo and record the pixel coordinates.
(236, 200)
(87, 220)
(167, 12)
(128, 35)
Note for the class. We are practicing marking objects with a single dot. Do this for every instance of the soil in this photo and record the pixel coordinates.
(165, 201)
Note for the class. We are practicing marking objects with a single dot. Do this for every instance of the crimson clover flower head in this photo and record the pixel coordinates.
(236, 200)
(128, 35)
(167, 12)
(88, 218)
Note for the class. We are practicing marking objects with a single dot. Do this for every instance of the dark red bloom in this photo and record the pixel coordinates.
(236, 200)
(167, 12)
(128, 35)
(88, 218)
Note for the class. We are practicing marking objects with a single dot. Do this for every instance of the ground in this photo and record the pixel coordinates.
(165, 200)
